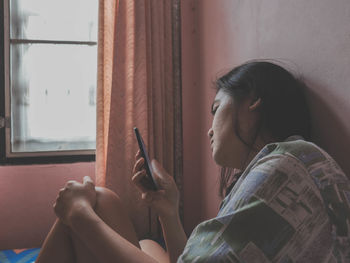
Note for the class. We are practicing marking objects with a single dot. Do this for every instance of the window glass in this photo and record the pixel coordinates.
(68, 20)
(53, 85)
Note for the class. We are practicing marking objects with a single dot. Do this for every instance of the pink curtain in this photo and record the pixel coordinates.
(138, 85)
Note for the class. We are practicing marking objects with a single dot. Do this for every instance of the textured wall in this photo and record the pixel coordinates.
(311, 38)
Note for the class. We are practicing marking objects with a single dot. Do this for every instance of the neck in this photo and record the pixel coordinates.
(258, 145)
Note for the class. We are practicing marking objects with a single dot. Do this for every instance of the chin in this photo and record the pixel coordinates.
(222, 161)
(218, 160)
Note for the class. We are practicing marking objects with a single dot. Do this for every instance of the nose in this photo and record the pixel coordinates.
(210, 133)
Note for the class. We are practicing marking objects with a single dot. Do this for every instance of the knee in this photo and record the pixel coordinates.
(106, 198)
(114, 213)
(103, 192)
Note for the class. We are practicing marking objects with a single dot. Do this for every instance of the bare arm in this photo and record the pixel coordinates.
(165, 202)
(174, 234)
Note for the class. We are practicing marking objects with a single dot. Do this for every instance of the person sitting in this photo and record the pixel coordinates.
(284, 198)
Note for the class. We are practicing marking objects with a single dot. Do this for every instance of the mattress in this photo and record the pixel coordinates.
(19, 255)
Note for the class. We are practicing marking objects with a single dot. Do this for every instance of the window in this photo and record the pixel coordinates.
(49, 81)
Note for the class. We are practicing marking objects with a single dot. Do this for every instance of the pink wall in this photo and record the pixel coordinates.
(27, 194)
(309, 37)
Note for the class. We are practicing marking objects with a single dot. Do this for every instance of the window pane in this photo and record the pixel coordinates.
(53, 94)
(74, 20)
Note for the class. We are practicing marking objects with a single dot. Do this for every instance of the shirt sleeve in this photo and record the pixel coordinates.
(269, 216)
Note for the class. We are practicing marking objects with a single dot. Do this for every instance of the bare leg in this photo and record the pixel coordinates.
(111, 210)
(58, 245)
(62, 245)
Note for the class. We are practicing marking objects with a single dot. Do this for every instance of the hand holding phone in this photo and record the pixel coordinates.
(150, 182)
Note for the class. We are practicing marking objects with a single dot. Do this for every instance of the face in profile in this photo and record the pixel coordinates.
(223, 139)
(227, 148)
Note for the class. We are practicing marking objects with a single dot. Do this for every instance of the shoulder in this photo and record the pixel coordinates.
(306, 153)
(322, 168)
(274, 172)
(277, 166)
(286, 157)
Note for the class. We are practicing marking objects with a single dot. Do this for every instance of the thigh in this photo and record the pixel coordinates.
(154, 250)
(111, 210)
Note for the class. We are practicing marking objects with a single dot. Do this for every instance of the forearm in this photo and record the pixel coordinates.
(174, 234)
(103, 241)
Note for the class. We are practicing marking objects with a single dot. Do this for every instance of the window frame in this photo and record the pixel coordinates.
(6, 156)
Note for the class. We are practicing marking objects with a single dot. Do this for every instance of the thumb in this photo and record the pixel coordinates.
(157, 167)
(87, 181)
(161, 173)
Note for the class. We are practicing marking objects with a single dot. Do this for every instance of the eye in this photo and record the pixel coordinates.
(213, 109)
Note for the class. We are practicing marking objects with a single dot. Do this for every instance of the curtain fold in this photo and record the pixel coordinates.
(138, 85)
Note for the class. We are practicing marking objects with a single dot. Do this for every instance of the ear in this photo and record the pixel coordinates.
(255, 104)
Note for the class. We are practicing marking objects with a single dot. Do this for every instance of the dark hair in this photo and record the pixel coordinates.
(283, 110)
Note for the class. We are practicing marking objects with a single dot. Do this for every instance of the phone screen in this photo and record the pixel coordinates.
(149, 183)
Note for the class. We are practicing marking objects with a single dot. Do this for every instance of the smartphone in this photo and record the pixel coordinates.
(149, 181)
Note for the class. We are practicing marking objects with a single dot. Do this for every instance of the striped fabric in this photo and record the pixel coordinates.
(291, 204)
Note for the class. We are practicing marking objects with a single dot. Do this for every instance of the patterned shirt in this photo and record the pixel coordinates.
(291, 204)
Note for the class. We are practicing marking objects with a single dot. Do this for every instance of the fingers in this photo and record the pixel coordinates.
(87, 181)
(137, 180)
(71, 183)
(138, 165)
(138, 155)
(61, 191)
